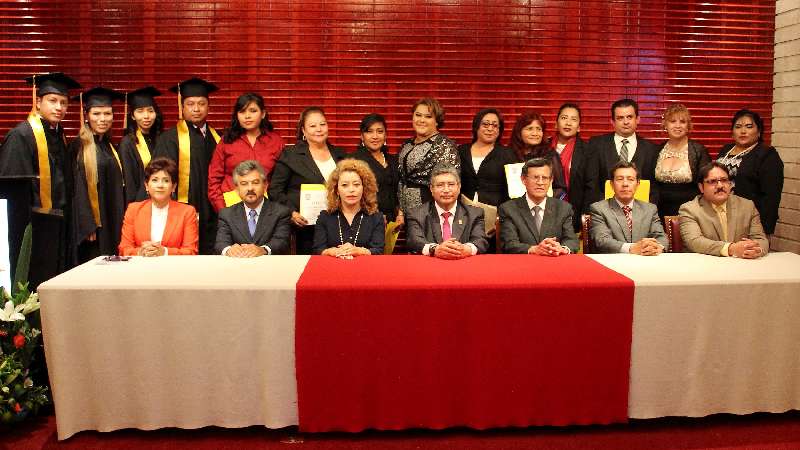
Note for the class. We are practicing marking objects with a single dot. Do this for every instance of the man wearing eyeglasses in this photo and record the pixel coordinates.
(719, 223)
(445, 228)
(535, 223)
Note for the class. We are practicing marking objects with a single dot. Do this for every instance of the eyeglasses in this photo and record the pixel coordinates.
(440, 186)
(489, 125)
(714, 181)
(538, 177)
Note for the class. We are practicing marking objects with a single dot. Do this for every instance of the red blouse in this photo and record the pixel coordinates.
(227, 156)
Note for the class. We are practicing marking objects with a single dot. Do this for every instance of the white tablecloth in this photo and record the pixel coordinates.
(195, 341)
(173, 342)
(712, 334)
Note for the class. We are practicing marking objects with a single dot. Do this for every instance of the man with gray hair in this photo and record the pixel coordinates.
(445, 228)
(255, 226)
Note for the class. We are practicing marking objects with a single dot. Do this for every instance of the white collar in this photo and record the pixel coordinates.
(532, 203)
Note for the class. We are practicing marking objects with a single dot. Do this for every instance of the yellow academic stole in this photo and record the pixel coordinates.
(94, 196)
(43, 154)
(184, 158)
(141, 147)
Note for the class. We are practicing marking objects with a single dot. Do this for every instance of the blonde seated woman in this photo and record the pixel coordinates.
(159, 226)
(352, 226)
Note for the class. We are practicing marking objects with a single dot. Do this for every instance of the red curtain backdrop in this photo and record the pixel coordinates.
(357, 57)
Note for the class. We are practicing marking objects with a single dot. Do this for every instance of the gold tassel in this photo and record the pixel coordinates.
(83, 120)
(33, 105)
(125, 119)
(180, 103)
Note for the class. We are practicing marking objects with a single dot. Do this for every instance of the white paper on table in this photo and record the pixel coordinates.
(514, 181)
(313, 199)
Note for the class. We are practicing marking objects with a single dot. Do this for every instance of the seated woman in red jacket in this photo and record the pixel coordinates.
(249, 136)
(159, 226)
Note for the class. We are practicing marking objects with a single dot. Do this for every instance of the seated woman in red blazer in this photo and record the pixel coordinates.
(159, 226)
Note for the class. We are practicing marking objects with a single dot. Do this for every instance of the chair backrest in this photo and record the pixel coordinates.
(642, 191)
(586, 242)
(672, 228)
(497, 241)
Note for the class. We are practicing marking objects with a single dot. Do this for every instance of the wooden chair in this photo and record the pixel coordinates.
(586, 243)
(672, 228)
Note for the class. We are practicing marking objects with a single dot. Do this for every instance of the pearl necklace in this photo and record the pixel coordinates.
(358, 230)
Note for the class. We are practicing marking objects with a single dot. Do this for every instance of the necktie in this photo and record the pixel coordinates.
(623, 151)
(723, 221)
(251, 222)
(537, 218)
(628, 217)
(447, 232)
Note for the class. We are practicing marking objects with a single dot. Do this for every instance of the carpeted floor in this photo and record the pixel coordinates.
(721, 432)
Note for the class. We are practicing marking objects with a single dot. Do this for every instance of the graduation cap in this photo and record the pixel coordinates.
(193, 87)
(97, 96)
(140, 98)
(51, 83)
(143, 97)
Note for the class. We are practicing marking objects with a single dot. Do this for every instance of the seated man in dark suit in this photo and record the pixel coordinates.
(535, 223)
(623, 224)
(255, 226)
(719, 223)
(445, 228)
(623, 145)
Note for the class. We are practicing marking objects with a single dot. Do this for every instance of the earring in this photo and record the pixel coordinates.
(304, 136)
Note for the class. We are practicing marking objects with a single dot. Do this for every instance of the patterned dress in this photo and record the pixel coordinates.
(416, 162)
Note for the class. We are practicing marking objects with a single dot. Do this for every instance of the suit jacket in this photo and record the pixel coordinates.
(272, 228)
(701, 230)
(180, 234)
(490, 179)
(295, 167)
(423, 227)
(518, 232)
(367, 229)
(605, 157)
(582, 181)
(610, 229)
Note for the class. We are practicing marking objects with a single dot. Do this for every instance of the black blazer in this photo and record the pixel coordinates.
(423, 227)
(582, 181)
(294, 168)
(272, 229)
(606, 156)
(371, 231)
(387, 177)
(760, 179)
(518, 231)
(490, 179)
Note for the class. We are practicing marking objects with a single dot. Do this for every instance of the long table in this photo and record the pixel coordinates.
(196, 341)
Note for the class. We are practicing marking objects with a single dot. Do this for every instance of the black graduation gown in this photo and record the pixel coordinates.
(110, 200)
(387, 179)
(51, 237)
(132, 167)
(201, 149)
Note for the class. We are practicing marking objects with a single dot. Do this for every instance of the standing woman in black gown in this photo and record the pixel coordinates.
(374, 151)
(99, 201)
(755, 168)
(144, 124)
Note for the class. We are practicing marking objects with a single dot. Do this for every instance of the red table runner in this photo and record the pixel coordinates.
(395, 342)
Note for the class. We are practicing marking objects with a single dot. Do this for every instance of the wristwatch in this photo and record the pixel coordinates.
(432, 250)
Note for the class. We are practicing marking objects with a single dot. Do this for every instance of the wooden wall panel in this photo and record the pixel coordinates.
(356, 57)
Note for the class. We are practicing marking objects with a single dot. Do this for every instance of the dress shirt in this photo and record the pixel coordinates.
(158, 223)
(202, 129)
(543, 205)
(631, 145)
(626, 247)
(247, 210)
(439, 211)
(722, 212)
